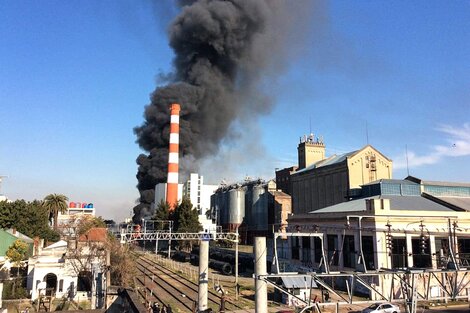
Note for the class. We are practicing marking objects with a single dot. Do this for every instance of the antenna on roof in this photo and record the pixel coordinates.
(407, 166)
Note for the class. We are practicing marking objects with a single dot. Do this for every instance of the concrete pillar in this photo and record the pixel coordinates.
(409, 249)
(432, 243)
(261, 290)
(203, 274)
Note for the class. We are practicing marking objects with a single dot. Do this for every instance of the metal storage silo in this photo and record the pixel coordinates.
(260, 207)
(248, 205)
(224, 207)
(236, 207)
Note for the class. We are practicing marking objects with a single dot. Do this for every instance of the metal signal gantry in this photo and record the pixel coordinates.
(129, 236)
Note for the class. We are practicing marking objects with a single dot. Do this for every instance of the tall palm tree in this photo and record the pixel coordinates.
(55, 203)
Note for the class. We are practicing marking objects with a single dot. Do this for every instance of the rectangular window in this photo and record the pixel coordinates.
(349, 252)
(368, 250)
(421, 253)
(306, 249)
(317, 249)
(399, 253)
(295, 248)
(442, 251)
(332, 244)
(463, 249)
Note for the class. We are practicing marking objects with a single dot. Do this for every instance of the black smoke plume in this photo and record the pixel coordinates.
(223, 49)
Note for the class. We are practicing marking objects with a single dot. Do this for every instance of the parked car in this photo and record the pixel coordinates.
(382, 308)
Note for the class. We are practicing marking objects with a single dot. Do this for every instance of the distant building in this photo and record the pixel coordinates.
(254, 207)
(320, 181)
(76, 210)
(283, 181)
(393, 224)
(198, 193)
(70, 269)
(323, 181)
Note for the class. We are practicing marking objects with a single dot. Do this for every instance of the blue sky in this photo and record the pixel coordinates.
(75, 77)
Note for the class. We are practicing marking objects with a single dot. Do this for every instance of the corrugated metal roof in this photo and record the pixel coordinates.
(414, 203)
(403, 203)
(461, 202)
(444, 183)
(334, 159)
(298, 282)
(349, 206)
(391, 181)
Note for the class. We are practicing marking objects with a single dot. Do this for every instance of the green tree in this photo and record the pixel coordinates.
(88, 222)
(162, 213)
(29, 218)
(55, 203)
(186, 220)
(16, 253)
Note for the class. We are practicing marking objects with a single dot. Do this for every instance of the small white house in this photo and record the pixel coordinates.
(49, 266)
(56, 271)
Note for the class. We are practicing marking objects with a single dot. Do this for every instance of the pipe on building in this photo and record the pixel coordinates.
(173, 157)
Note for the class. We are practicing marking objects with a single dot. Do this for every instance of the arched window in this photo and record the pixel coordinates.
(51, 283)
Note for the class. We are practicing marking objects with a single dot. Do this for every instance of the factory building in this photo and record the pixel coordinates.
(394, 224)
(252, 207)
(321, 181)
(283, 181)
(199, 194)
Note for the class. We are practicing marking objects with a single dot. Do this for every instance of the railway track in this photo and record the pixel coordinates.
(160, 284)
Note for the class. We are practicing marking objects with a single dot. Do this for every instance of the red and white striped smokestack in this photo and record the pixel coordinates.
(173, 156)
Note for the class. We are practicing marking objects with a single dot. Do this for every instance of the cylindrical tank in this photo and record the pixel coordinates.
(224, 207)
(236, 206)
(223, 267)
(259, 210)
(248, 206)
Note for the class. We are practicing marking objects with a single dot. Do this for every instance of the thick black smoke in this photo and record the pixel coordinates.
(222, 50)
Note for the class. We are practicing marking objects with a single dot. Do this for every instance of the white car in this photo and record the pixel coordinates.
(382, 308)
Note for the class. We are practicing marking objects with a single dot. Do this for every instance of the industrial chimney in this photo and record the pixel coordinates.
(172, 180)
